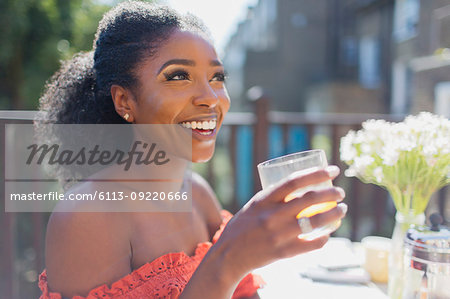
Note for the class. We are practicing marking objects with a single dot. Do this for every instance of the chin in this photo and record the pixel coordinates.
(202, 155)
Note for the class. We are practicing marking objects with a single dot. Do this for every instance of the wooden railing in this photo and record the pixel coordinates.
(370, 211)
(22, 234)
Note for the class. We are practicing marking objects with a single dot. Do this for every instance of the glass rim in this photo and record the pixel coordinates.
(301, 154)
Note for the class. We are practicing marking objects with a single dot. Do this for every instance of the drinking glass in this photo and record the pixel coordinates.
(274, 170)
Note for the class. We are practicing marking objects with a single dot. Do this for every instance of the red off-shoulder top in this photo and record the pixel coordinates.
(165, 277)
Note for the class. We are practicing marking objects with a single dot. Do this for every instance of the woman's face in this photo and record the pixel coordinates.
(183, 84)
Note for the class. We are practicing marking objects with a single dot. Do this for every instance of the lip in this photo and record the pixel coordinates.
(196, 134)
(201, 137)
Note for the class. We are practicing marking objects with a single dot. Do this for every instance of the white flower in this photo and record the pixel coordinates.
(429, 151)
(377, 126)
(385, 153)
(366, 148)
(349, 154)
(390, 154)
(406, 143)
(350, 172)
(361, 163)
(347, 150)
(360, 137)
(378, 174)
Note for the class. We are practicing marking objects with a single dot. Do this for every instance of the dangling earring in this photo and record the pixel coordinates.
(126, 116)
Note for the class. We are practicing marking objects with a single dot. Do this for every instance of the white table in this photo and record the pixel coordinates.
(284, 279)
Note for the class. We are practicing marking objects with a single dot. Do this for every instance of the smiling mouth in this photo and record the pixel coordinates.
(205, 127)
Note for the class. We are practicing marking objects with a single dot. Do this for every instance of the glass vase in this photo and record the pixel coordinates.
(402, 223)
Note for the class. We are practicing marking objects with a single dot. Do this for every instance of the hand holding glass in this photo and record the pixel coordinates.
(273, 171)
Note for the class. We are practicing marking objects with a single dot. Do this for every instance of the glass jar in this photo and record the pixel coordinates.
(402, 223)
(427, 263)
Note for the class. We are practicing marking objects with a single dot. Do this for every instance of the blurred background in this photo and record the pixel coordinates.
(301, 74)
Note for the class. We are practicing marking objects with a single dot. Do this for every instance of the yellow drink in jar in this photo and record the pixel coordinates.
(314, 210)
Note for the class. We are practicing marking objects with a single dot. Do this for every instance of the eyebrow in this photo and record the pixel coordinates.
(187, 62)
(215, 63)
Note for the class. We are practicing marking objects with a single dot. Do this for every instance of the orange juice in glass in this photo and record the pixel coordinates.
(273, 171)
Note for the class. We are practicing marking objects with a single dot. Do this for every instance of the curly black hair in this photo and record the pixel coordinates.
(79, 93)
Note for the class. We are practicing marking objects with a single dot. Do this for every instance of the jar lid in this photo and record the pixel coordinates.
(429, 244)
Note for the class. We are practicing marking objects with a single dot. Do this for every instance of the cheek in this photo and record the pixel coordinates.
(227, 103)
(160, 108)
(224, 99)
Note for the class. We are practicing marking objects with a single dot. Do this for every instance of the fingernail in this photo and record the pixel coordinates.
(341, 192)
(333, 171)
(343, 208)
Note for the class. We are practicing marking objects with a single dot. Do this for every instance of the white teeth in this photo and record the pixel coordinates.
(202, 125)
(206, 133)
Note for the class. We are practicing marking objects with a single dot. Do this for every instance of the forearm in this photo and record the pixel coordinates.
(216, 277)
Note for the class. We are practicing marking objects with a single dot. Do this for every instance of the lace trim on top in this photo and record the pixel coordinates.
(164, 277)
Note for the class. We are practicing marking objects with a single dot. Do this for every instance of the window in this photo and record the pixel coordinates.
(442, 99)
(406, 19)
(349, 51)
(401, 87)
(369, 62)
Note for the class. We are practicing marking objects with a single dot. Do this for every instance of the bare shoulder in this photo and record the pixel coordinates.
(207, 200)
(85, 250)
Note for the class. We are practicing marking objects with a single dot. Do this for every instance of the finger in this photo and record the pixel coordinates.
(291, 227)
(330, 216)
(298, 246)
(300, 180)
(293, 207)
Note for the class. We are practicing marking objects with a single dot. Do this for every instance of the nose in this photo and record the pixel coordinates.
(205, 96)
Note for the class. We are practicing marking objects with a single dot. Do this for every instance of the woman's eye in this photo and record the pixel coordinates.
(176, 76)
(219, 76)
